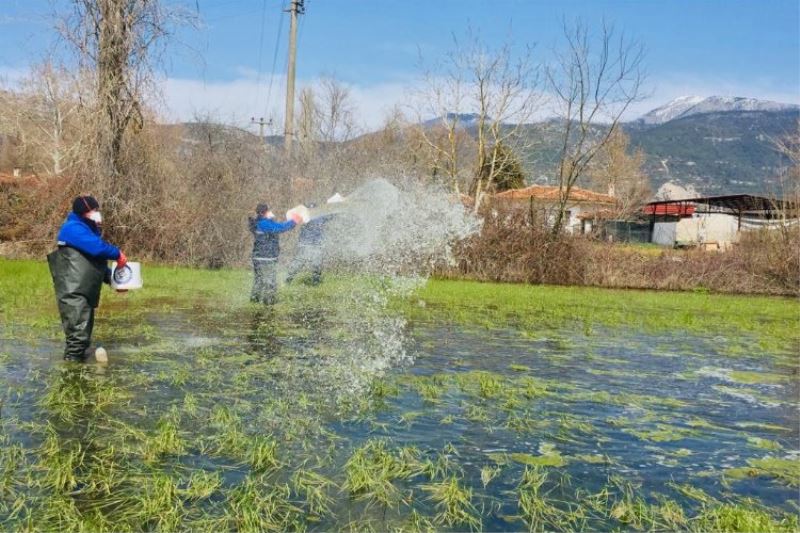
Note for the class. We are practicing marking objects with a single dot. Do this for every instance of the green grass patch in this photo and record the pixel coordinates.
(538, 308)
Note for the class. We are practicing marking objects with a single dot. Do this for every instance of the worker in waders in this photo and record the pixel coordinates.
(78, 267)
(266, 249)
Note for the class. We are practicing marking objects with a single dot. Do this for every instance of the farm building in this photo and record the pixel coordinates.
(543, 201)
(714, 222)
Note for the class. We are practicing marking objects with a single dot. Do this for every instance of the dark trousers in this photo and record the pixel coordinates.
(307, 257)
(265, 281)
(77, 320)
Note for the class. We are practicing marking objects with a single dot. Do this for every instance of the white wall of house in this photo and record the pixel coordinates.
(572, 220)
(573, 224)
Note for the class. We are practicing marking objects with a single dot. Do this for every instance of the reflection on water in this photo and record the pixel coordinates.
(263, 337)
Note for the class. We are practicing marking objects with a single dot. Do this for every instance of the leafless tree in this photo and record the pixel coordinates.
(787, 191)
(120, 41)
(307, 126)
(497, 90)
(48, 120)
(789, 146)
(335, 111)
(327, 113)
(618, 172)
(593, 82)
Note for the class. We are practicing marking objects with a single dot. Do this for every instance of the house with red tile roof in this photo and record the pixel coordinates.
(544, 200)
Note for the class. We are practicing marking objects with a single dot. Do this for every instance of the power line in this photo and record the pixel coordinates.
(274, 61)
(260, 49)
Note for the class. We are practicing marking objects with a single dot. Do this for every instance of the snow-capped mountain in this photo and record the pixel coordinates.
(693, 105)
(464, 120)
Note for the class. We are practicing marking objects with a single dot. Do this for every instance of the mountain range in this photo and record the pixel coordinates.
(727, 149)
(716, 145)
(685, 106)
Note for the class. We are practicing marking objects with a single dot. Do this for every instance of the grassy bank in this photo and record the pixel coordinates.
(541, 306)
(26, 296)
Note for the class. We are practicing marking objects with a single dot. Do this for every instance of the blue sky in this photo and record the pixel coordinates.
(731, 47)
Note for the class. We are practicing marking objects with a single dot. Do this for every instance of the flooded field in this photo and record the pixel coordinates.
(366, 404)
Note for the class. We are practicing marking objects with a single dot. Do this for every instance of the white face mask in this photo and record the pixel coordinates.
(95, 217)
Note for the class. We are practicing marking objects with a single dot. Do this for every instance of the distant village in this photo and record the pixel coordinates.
(676, 219)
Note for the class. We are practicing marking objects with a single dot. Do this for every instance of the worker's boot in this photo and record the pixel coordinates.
(99, 354)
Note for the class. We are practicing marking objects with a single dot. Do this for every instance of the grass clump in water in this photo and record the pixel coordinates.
(165, 441)
(257, 506)
(786, 471)
(371, 471)
(535, 507)
(202, 485)
(262, 453)
(454, 504)
(757, 378)
(742, 517)
(314, 489)
(764, 444)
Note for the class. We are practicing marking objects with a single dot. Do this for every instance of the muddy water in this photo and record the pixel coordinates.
(664, 415)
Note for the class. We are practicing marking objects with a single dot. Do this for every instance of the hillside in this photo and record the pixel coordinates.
(717, 152)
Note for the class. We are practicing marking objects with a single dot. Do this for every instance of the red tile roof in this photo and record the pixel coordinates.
(551, 192)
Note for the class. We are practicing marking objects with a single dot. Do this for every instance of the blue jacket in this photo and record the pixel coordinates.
(84, 235)
(265, 231)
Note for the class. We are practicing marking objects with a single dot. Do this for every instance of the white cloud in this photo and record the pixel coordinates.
(237, 101)
(10, 77)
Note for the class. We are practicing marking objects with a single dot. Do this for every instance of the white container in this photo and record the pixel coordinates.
(302, 210)
(126, 278)
(335, 199)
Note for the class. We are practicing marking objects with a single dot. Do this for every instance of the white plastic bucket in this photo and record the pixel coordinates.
(301, 210)
(126, 278)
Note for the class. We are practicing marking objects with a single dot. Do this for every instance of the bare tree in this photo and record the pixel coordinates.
(307, 126)
(120, 41)
(491, 91)
(504, 90)
(789, 146)
(44, 115)
(616, 171)
(593, 81)
(52, 116)
(788, 181)
(442, 97)
(326, 113)
(335, 111)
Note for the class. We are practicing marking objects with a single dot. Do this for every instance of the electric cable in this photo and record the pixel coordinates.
(274, 63)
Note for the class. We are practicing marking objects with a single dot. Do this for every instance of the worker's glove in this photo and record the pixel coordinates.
(122, 261)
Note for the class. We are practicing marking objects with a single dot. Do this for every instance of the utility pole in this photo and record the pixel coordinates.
(261, 123)
(297, 8)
